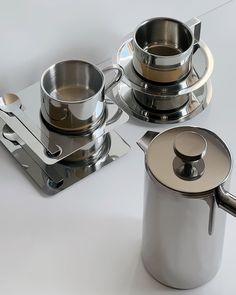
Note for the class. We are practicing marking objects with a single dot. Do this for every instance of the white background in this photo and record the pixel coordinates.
(86, 240)
(35, 34)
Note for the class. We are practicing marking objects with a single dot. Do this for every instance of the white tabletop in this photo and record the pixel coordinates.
(86, 239)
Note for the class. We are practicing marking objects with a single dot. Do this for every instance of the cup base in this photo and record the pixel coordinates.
(160, 104)
(197, 102)
(89, 154)
(85, 128)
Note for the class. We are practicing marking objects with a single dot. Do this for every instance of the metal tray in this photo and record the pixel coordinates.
(54, 178)
(55, 174)
(68, 144)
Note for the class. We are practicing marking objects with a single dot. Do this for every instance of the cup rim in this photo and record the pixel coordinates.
(161, 18)
(72, 61)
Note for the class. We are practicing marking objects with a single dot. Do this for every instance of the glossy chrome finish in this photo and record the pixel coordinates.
(144, 142)
(80, 154)
(73, 96)
(195, 26)
(225, 200)
(163, 49)
(190, 148)
(89, 153)
(202, 64)
(161, 103)
(158, 98)
(217, 160)
(67, 144)
(182, 238)
(55, 178)
(198, 101)
(11, 105)
(183, 227)
(16, 143)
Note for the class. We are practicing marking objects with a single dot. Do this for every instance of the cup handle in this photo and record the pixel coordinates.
(109, 87)
(195, 26)
(117, 77)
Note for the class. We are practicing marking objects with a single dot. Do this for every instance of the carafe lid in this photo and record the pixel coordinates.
(188, 159)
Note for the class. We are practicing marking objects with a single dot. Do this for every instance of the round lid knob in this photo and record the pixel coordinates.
(190, 146)
(188, 159)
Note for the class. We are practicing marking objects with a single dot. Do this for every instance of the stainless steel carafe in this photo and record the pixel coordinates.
(186, 183)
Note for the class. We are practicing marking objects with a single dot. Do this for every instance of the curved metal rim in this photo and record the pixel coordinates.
(200, 193)
(202, 80)
(186, 52)
(164, 118)
(71, 102)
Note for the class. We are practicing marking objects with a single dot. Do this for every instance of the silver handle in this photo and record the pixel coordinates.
(195, 25)
(225, 200)
(117, 77)
(110, 86)
(144, 142)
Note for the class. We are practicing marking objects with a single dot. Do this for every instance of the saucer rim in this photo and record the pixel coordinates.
(209, 66)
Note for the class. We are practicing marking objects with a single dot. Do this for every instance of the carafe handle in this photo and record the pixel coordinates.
(225, 200)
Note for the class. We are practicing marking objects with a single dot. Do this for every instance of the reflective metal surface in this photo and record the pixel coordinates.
(225, 200)
(54, 178)
(11, 105)
(161, 103)
(182, 238)
(79, 154)
(88, 153)
(197, 102)
(202, 64)
(163, 49)
(67, 144)
(183, 225)
(190, 148)
(20, 150)
(73, 96)
(217, 159)
(164, 103)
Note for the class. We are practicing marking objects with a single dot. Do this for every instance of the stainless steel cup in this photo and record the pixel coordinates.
(160, 103)
(165, 102)
(186, 181)
(72, 93)
(89, 153)
(163, 48)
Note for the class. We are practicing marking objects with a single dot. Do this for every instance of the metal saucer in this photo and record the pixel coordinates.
(202, 64)
(196, 86)
(198, 101)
